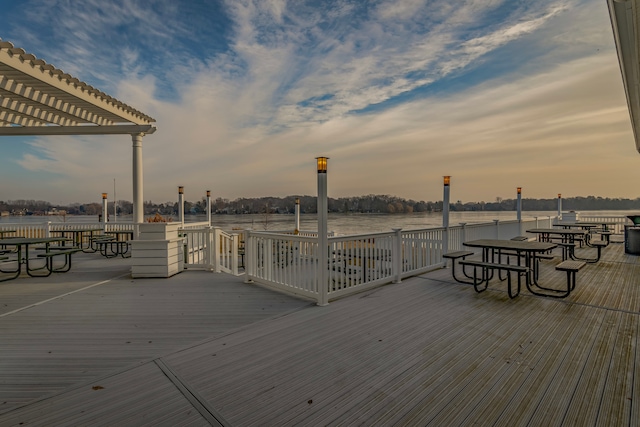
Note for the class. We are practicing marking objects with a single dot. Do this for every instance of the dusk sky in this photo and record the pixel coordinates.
(496, 93)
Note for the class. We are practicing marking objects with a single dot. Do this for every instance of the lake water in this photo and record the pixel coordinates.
(339, 223)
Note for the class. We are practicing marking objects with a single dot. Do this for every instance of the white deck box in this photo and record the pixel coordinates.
(158, 252)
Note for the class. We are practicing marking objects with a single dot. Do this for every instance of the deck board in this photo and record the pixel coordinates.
(427, 351)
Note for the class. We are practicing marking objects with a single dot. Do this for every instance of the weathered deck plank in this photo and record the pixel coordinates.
(428, 351)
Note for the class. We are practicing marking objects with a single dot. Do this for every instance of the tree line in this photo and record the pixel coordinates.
(359, 204)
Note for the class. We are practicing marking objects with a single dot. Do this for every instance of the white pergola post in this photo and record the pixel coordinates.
(181, 204)
(445, 215)
(138, 197)
(323, 241)
(209, 207)
(297, 228)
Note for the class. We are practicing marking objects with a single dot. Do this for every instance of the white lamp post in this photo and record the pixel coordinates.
(181, 204)
(104, 209)
(445, 214)
(209, 207)
(297, 229)
(559, 205)
(323, 241)
(519, 205)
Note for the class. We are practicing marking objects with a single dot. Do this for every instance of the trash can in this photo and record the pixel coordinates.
(632, 240)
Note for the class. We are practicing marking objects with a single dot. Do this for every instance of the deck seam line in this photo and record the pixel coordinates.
(62, 296)
(198, 402)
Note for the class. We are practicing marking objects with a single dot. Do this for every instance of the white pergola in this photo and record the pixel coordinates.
(626, 32)
(37, 98)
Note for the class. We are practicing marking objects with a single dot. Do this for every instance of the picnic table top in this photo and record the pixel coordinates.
(76, 230)
(31, 240)
(511, 244)
(565, 231)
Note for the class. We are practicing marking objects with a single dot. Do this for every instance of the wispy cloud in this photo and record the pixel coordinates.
(356, 81)
(342, 59)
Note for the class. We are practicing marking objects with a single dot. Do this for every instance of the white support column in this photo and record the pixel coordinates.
(445, 214)
(209, 207)
(323, 241)
(181, 205)
(297, 228)
(138, 196)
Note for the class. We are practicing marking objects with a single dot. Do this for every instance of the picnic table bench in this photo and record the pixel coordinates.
(55, 252)
(487, 271)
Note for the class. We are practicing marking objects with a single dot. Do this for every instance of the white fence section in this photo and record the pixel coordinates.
(194, 225)
(355, 263)
(197, 254)
(210, 248)
(421, 250)
(614, 223)
(43, 229)
(285, 262)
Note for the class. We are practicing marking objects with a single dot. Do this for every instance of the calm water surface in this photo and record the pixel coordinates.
(340, 223)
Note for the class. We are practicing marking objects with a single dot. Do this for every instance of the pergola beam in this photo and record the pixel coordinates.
(76, 130)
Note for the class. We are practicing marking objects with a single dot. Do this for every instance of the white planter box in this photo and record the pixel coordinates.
(158, 252)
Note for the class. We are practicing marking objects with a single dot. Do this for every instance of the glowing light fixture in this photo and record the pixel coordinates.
(322, 164)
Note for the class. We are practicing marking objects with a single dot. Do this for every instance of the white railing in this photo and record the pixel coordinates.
(43, 229)
(212, 249)
(31, 230)
(422, 250)
(356, 263)
(197, 248)
(194, 225)
(285, 262)
(227, 251)
(360, 262)
(120, 226)
(614, 223)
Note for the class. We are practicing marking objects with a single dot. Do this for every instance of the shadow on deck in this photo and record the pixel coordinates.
(201, 349)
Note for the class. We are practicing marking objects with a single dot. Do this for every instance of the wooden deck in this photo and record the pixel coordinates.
(206, 349)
